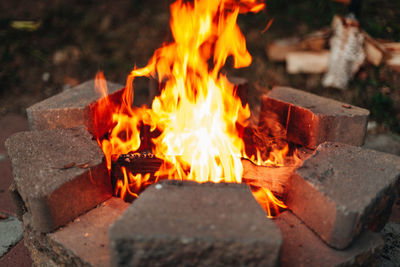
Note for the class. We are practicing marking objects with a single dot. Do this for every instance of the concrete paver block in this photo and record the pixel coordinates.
(302, 247)
(71, 108)
(83, 242)
(59, 174)
(310, 119)
(186, 223)
(341, 190)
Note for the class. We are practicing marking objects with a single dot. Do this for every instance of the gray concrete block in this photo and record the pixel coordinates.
(189, 224)
(71, 108)
(341, 190)
(10, 233)
(302, 247)
(83, 242)
(59, 174)
(310, 119)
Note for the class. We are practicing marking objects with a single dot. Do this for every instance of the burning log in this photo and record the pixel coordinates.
(144, 162)
(127, 166)
(274, 178)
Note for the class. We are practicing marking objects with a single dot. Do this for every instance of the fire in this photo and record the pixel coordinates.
(196, 117)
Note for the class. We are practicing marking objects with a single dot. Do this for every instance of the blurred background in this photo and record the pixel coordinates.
(48, 46)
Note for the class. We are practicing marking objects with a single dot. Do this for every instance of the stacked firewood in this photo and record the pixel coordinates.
(337, 51)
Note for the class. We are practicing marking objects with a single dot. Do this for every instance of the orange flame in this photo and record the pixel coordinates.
(196, 114)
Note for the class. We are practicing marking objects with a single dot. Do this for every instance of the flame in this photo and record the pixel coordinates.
(197, 115)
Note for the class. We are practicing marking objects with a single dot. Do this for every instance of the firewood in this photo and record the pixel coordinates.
(392, 47)
(278, 49)
(307, 62)
(374, 50)
(317, 40)
(347, 53)
(393, 54)
(272, 178)
(136, 163)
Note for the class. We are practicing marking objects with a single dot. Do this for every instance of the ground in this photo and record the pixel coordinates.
(67, 42)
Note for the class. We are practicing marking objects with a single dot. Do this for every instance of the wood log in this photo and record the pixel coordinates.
(393, 54)
(374, 50)
(278, 49)
(392, 47)
(394, 61)
(347, 53)
(135, 163)
(272, 178)
(316, 40)
(307, 61)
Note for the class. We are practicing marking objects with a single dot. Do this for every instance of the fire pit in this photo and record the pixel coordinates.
(194, 168)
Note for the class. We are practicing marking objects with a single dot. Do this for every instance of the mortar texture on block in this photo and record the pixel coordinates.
(341, 190)
(72, 108)
(175, 223)
(302, 247)
(310, 120)
(59, 174)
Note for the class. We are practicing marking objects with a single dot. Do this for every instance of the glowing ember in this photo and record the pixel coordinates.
(196, 117)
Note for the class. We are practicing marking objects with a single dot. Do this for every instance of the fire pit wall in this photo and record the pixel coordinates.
(337, 198)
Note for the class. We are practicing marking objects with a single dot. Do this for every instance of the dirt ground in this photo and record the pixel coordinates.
(67, 42)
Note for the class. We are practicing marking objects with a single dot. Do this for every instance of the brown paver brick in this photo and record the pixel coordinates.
(83, 242)
(302, 247)
(71, 108)
(17, 256)
(186, 223)
(341, 190)
(310, 119)
(59, 174)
